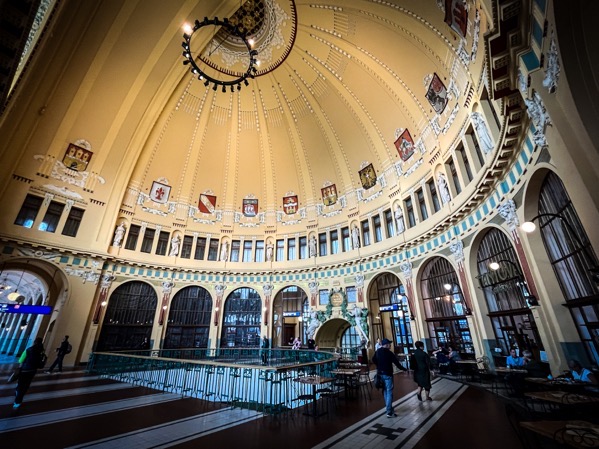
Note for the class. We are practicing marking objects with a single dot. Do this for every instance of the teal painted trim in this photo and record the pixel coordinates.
(537, 33)
(76, 261)
(64, 259)
(518, 167)
(512, 178)
(9, 250)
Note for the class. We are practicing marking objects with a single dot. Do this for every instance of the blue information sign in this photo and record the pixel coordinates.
(389, 308)
(26, 309)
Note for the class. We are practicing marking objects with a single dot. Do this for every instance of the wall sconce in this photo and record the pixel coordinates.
(593, 270)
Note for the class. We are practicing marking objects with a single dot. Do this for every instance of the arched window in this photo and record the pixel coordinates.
(241, 319)
(189, 319)
(505, 292)
(394, 321)
(571, 256)
(444, 306)
(289, 307)
(350, 338)
(129, 317)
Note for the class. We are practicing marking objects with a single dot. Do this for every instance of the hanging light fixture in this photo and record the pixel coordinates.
(16, 296)
(231, 78)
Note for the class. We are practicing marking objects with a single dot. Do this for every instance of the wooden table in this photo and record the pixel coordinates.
(503, 370)
(346, 374)
(562, 397)
(314, 381)
(577, 434)
(557, 384)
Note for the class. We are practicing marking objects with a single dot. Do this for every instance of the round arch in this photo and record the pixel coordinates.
(188, 323)
(37, 283)
(444, 306)
(241, 319)
(391, 314)
(499, 275)
(129, 317)
(291, 314)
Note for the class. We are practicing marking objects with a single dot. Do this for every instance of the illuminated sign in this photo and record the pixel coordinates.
(292, 313)
(22, 308)
(389, 308)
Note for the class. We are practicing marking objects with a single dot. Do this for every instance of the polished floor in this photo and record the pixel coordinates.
(74, 410)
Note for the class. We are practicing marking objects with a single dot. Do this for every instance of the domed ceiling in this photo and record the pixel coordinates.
(352, 103)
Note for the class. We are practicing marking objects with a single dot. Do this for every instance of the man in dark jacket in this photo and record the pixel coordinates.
(384, 360)
(61, 351)
(31, 360)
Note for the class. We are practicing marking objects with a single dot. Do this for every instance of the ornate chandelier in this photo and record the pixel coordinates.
(214, 70)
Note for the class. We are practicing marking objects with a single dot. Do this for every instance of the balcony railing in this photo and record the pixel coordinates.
(236, 377)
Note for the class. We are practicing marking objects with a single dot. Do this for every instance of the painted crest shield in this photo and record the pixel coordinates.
(290, 204)
(405, 145)
(76, 158)
(250, 207)
(207, 203)
(160, 192)
(329, 195)
(456, 16)
(368, 177)
(437, 94)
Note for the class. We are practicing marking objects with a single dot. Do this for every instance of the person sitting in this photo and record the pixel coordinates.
(513, 360)
(532, 366)
(454, 357)
(580, 374)
(442, 360)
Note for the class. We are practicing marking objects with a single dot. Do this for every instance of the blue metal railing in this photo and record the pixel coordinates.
(233, 376)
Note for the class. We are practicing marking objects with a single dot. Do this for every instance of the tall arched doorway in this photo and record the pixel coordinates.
(500, 277)
(571, 256)
(129, 317)
(189, 319)
(20, 287)
(444, 306)
(241, 319)
(390, 310)
(290, 312)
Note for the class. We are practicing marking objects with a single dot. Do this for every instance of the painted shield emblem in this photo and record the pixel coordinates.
(160, 192)
(329, 195)
(290, 204)
(368, 177)
(207, 203)
(250, 207)
(405, 145)
(76, 158)
(456, 16)
(437, 94)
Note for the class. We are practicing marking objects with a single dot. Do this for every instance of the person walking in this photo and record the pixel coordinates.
(384, 360)
(64, 349)
(420, 362)
(265, 346)
(32, 359)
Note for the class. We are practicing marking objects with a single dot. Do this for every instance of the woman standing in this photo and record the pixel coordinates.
(31, 360)
(421, 364)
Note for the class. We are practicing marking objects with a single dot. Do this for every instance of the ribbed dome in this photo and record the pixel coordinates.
(337, 85)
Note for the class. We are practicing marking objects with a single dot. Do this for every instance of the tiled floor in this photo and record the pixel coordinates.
(72, 410)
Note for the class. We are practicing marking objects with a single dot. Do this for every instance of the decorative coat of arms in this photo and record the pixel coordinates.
(160, 192)
(250, 207)
(290, 204)
(368, 177)
(436, 94)
(76, 158)
(404, 144)
(456, 16)
(329, 195)
(207, 203)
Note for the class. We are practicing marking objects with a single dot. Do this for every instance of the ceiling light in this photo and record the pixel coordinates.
(231, 31)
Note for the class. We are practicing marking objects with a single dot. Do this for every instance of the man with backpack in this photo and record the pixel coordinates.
(32, 359)
(64, 349)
